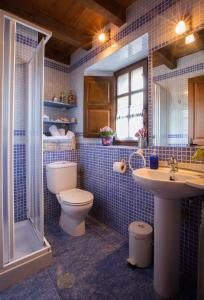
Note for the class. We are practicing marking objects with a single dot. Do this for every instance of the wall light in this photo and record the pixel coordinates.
(190, 38)
(180, 27)
(102, 37)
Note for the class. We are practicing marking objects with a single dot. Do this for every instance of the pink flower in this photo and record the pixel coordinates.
(106, 129)
(142, 132)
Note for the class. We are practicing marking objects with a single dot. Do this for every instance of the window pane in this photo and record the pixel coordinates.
(137, 80)
(135, 124)
(122, 128)
(122, 84)
(122, 106)
(137, 103)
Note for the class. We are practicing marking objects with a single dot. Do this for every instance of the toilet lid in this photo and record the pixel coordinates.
(76, 197)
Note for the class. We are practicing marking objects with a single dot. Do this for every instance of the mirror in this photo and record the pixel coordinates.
(178, 93)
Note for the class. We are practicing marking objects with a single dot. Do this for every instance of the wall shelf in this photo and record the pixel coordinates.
(49, 103)
(59, 122)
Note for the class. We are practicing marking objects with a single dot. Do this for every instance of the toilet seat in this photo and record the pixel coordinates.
(76, 197)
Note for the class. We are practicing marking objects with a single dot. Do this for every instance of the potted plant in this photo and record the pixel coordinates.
(106, 135)
(141, 134)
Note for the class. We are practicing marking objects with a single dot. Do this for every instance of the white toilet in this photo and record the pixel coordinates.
(75, 203)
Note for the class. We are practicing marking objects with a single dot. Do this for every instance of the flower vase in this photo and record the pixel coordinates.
(107, 140)
(142, 143)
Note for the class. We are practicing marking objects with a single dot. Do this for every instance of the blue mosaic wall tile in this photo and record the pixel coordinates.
(19, 155)
(20, 38)
(56, 66)
(18, 132)
(191, 215)
(118, 200)
(180, 72)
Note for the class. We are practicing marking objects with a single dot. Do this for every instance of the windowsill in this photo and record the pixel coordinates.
(123, 146)
(125, 142)
(99, 144)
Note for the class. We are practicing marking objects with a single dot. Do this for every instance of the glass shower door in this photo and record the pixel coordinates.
(6, 158)
(34, 146)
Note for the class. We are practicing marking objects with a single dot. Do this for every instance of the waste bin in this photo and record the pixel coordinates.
(140, 244)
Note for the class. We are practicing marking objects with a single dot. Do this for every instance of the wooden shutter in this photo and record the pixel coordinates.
(98, 104)
(196, 110)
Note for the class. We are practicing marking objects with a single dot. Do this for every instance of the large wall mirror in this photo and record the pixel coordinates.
(178, 92)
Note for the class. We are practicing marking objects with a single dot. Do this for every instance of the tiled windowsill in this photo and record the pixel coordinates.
(107, 147)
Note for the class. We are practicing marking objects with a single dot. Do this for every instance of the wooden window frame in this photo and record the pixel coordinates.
(142, 63)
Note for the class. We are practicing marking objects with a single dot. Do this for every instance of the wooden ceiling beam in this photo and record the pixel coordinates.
(161, 57)
(110, 10)
(57, 55)
(59, 30)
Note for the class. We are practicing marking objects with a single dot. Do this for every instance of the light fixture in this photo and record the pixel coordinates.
(102, 37)
(190, 38)
(180, 27)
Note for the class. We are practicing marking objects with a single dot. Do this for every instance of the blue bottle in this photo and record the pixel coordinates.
(154, 160)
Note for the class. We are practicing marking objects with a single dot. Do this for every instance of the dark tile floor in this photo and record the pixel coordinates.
(89, 267)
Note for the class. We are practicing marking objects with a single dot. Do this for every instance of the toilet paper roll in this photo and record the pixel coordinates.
(119, 167)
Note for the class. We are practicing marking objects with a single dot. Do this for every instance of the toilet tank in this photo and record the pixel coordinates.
(61, 176)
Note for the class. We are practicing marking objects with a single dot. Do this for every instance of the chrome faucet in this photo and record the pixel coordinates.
(173, 164)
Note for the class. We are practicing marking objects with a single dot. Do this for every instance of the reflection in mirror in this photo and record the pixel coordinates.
(178, 101)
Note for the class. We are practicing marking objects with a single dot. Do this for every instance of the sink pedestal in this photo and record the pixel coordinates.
(167, 195)
(166, 246)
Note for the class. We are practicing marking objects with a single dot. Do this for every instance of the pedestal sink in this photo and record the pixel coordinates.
(167, 196)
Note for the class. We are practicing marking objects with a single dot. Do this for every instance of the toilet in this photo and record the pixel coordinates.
(75, 203)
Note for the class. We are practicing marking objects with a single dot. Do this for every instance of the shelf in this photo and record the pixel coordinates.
(57, 122)
(58, 104)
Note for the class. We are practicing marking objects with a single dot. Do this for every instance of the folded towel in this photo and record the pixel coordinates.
(54, 131)
(46, 118)
(61, 131)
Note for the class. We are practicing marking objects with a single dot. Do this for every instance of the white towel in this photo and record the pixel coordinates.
(61, 131)
(54, 131)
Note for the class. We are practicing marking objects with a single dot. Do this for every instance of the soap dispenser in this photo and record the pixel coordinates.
(154, 160)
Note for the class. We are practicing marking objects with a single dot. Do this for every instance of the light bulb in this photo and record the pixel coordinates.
(102, 37)
(190, 38)
(180, 27)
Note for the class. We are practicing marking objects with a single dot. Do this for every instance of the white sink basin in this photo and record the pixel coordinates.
(167, 214)
(196, 183)
(158, 182)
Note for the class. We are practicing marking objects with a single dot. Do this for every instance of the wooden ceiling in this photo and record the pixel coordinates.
(72, 22)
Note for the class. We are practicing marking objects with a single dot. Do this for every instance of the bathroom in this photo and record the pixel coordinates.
(55, 51)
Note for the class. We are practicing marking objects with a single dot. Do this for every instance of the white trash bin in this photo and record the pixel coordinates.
(140, 244)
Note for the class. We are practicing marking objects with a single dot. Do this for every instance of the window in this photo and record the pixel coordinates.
(131, 101)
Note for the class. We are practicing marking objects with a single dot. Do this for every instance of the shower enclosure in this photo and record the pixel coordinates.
(23, 248)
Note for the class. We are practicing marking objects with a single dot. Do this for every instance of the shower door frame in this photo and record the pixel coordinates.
(35, 79)
(1, 139)
(9, 188)
(6, 269)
